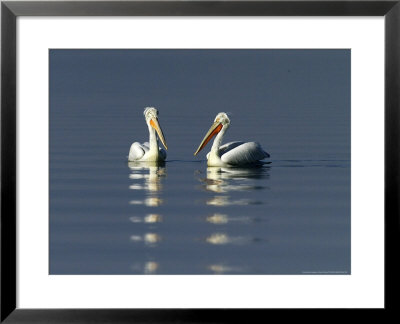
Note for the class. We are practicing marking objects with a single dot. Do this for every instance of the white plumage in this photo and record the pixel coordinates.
(233, 153)
(138, 151)
(150, 151)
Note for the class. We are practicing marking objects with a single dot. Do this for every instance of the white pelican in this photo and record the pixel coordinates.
(233, 153)
(149, 151)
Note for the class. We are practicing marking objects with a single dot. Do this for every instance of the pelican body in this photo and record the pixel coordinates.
(231, 154)
(150, 151)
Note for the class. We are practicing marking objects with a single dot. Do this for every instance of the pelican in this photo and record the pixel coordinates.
(233, 153)
(150, 151)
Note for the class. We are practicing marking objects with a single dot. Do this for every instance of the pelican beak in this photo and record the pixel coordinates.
(214, 130)
(154, 123)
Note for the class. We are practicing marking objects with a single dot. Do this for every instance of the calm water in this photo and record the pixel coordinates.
(108, 216)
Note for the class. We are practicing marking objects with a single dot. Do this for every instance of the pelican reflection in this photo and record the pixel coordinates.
(223, 268)
(225, 180)
(221, 238)
(151, 267)
(220, 219)
(147, 177)
(149, 218)
(150, 172)
(222, 180)
(148, 267)
(150, 239)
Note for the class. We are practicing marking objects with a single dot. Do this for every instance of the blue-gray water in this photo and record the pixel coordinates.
(108, 216)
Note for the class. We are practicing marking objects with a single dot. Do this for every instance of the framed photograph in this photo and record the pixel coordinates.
(189, 160)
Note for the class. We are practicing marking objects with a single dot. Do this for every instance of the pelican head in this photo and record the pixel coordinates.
(221, 122)
(151, 116)
(222, 118)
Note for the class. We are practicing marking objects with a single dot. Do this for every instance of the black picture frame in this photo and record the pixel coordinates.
(10, 10)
